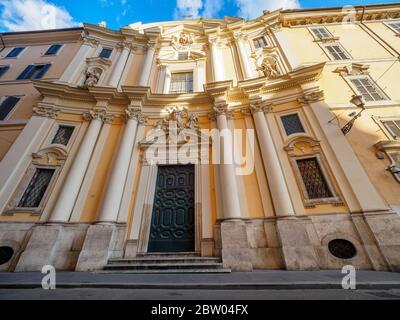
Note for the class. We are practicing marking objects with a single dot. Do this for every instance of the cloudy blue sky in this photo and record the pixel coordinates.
(19, 15)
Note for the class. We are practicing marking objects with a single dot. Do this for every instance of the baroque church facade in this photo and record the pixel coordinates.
(118, 160)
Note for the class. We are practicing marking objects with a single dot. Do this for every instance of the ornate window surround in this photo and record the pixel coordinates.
(53, 132)
(303, 121)
(314, 151)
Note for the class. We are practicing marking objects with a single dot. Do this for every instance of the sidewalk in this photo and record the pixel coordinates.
(240, 280)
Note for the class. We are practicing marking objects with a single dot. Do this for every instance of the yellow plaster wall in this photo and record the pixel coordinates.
(386, 33)
(99, 183)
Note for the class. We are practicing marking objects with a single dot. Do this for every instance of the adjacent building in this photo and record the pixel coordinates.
(123, 164)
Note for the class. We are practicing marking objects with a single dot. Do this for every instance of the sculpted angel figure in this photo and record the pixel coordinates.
(193, 121)
(269, 67)
(92, 78)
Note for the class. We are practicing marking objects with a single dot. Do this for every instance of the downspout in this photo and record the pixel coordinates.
(376, 35)
(3, 46)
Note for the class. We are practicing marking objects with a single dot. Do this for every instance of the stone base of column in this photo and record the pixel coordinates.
(386, 229)
(102, 242)
(235, 247)
(297, 248)
(131, 248)
(52, 244)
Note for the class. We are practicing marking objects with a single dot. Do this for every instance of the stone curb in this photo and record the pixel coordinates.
(202, 286)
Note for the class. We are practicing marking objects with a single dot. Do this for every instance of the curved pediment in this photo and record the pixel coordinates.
(302, 146)
(51, 155)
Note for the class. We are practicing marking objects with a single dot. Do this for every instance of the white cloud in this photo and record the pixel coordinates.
(250, 9)
(188, 9)
(23, 15)
(212, 8)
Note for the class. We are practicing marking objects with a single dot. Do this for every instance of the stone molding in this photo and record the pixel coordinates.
(46, 111)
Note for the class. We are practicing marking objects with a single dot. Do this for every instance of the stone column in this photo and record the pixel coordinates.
(148, 62)
(217, 62)
(276, 179)
(119, 66)
(199, 76)
(244, 57)
(86, 50)
(161, 79)
(115, 189)
(70, 190)
(228, 174)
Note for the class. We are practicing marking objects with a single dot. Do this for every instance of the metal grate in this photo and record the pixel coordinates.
(313, 178)
(342, 249)
(292, 124)
(36, 189)
(63, 135)
(181, 82)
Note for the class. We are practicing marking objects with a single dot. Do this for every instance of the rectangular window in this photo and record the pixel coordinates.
(34, 71)
(260, 42)
(395, 26)
(183, 55)
(105, 53)
(7, 105)
(337, 52)
(36, 189)
(181, 82)
(3, 69)
(14, 53)
(321, 33)
(63, 135)
(292, 124)
(368, 89)
(313, 179)
(393, 126)
(53, 49)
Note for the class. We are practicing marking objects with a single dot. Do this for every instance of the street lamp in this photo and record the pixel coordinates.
(359, 102)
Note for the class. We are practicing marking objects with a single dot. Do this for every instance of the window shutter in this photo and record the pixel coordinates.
(26, 72)
(42, 71)
(7, 105)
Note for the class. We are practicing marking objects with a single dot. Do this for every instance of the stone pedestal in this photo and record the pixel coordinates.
(102, 242)
(386, 229)
(57, 245)
(131, 248)
(235, 248)
(207, 247)
(298, 251)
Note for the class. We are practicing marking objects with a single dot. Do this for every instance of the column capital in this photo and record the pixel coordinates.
(97, 114)
(260, 106)
(90, 41)
(125, 45)
(311, 97)
(239, 36)
(135, 114)
(46, 111)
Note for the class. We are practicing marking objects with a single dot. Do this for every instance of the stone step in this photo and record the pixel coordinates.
(152, 260)
(168, 254)
(163, 266)
(165, 271)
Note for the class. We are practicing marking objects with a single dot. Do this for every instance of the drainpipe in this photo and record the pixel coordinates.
(375, 34)
(2, 43)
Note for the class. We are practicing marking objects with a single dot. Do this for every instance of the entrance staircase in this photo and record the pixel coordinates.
(166, 263)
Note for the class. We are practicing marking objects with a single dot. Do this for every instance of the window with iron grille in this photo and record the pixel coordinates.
(181, 82)
(367, 89)
(337, 52)
(36, 189)
(3, 69)
(183, 55)
(53, 49)
(292, 124)
(14, 53)
(7, 105)
(313, 179)
(63, 135)
(395, 26)
(321, 33)
(105, 53)
(393, 126)
(34, 71)
(260, 42)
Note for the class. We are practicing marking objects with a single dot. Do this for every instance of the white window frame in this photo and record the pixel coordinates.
(53, 55)
(330, 35)
(18, 56)
(259, 37)
(390, 25)
(386, 130)
(329, 54)
(379, 90)
(9, 115)
(182, 72)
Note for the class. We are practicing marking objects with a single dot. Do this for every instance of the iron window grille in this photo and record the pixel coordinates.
(14, 53)
(314, 179)
(260, 42)
(292, 124)
(181, 82)
(63, 135)
(7, 105)
(36, 189)
(367, 89)
(337, 52)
